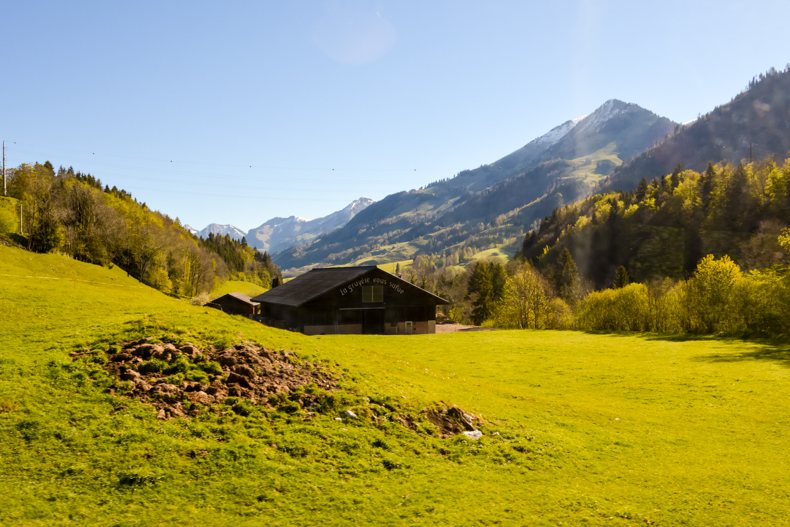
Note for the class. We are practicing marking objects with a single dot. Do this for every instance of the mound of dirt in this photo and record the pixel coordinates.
(451, 420)
(180, 378)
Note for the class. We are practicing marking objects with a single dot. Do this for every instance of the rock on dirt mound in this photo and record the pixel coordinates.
(451, 420)
(180, 378)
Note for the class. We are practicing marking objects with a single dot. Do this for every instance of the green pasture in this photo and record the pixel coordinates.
(579, 429)
(237, 286)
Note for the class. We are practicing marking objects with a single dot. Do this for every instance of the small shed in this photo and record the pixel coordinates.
(350, 300)
(236, 304)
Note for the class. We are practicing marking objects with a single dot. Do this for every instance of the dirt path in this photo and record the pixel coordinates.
(453, 328)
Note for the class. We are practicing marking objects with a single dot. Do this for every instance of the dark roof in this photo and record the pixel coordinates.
(318, 281)
(238, 296)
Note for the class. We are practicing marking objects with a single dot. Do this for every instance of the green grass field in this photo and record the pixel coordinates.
(237, 286)
(579, 429)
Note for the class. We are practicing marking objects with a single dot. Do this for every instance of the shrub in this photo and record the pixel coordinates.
(560, 315)
(712, 297)
(623, 309)
(764, 303)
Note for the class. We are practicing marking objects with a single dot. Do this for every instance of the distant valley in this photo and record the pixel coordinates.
(278, 234)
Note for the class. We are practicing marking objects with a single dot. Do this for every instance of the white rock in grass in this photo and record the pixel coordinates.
(474, 434)
(351, 414)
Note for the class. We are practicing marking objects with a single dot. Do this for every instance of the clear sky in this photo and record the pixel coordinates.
(238, 111)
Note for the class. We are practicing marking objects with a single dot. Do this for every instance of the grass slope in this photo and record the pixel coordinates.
(237, 286)
(9, 215)
(579, 429)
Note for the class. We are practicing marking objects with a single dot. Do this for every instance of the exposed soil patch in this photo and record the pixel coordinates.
(179, 379)
(451, 420)
(454, 328)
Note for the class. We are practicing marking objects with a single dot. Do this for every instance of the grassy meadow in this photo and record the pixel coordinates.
(237, 286)
(579, 429)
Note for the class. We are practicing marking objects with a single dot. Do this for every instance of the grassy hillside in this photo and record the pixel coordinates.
(9, 215)
(237, 286)
(579, 428)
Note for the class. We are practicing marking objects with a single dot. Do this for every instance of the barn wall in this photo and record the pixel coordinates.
(233, 306)
(342, 309)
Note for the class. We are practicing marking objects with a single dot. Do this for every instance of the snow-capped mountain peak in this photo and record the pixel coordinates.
(607, 111)
(277, 234)
(357, 205)
(555, 134)
(221, 230)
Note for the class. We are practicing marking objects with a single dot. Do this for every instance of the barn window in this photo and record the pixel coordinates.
(373, 293)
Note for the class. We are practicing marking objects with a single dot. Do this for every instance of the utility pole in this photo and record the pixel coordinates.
(5, 189)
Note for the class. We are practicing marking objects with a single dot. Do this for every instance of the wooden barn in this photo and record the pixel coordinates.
(236, 304)
(350, 300)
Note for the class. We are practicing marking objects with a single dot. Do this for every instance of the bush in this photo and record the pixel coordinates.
(764, 303)
(713, 297)
(623, 309)
(560, 315)
(667, 307)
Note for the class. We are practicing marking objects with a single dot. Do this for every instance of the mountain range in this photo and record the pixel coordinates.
(278, 234)
(491, 204)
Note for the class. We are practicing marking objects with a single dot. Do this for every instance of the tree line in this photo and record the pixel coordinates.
(71, 212)
(700, 253)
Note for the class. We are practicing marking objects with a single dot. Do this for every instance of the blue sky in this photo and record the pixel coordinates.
(235, 112)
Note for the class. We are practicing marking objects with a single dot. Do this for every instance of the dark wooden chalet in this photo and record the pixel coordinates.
(236, 304)
(350, 300)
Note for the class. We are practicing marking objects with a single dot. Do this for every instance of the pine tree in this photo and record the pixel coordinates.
(706, 186)
(641, 190)
(566, 278)
(736, 204)
(479, 291)
(621, 278)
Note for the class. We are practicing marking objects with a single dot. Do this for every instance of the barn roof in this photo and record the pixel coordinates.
(238, 296)
(316, 282)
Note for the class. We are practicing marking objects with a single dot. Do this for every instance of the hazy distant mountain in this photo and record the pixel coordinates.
(755, 124)
(221, 230)
(492, 204)
(278, 234)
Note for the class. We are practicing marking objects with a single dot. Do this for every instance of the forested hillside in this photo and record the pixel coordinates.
(72, 213)
(754, 125)
(665, 226)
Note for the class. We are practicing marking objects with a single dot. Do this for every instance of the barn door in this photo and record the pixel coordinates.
(373, 321)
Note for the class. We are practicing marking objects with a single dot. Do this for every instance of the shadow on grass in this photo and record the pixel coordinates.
(659, 336)
(771, 352)
(759, 349)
